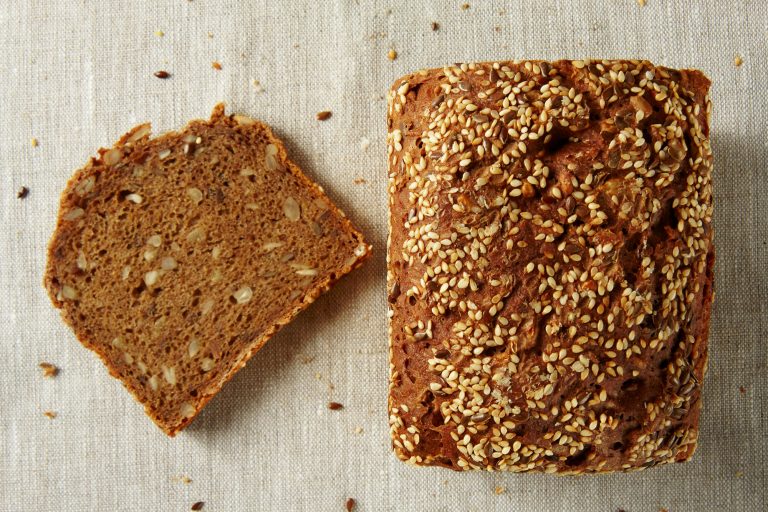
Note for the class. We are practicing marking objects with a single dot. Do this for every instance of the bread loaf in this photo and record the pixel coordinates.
(550, 264)
(176, 258)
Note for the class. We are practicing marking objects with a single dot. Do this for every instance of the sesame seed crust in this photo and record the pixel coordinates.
(549, 264)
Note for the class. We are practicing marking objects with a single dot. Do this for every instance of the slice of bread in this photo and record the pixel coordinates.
(176, 258)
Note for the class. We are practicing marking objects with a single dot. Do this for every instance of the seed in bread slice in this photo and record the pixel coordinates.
(176, 258)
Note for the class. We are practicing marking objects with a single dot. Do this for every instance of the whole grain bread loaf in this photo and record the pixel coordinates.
(176, 258)
(550, 264)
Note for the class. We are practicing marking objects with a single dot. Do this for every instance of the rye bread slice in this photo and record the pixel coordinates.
(176, 258)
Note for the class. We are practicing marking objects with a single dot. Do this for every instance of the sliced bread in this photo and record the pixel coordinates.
(176, 258)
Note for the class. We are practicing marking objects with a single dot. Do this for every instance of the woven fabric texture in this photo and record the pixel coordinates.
(75, 75)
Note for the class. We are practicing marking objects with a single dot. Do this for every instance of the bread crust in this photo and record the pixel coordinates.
(550, 264)
(196, 212)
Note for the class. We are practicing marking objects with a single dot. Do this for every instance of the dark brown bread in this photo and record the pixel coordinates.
(176, 258)
(550, 265)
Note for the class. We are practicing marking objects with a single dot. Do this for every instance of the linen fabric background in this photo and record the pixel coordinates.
(77, 74)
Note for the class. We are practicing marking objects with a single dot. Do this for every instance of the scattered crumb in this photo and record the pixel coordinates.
(350, 504)
(198, 505)
(324, 115)
(364, 143)
(335, 406)
(319, 376)
(663, 510)
(360, 181)
(183, 479)
(500, 490)
(358, 430)
(392, 55)
(435, 26)
(210, 35)
(216, 65)
(49, 414)
(742, 389)
(257, 85)
(497, 28)
(162, 74)
(739, 474)
(306, 359)
(159, 33)
(49, 370)
(641, 3)
(296, 45)
(388, 12)
(34, 142)
(445, 482)
(464, 7)
(22, 193)
(738, 60)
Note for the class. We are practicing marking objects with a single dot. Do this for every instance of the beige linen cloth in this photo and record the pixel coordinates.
(77, 74)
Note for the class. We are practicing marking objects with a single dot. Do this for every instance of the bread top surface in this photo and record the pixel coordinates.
(175, 258)
(550, 264)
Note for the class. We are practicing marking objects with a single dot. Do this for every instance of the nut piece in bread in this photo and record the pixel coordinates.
(549, 264)
(176, 258)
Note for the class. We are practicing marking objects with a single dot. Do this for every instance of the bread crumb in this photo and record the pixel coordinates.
(464, 7)
(435, 26)
(358, 430)
(364, 143)
(360, 181)
(739, 474)
(198, 505)
(335, 406)
(392, 55)
(210, 35)
(350, 504)
(742, 390)
(641, 3)
(324, 115)
(303, 359)
(738, 60)
(49, 370)
(49, 414)
(500, 490)
(34, 142)
(159, 33)
(216, 65)
(257, 85)
(22, 193)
